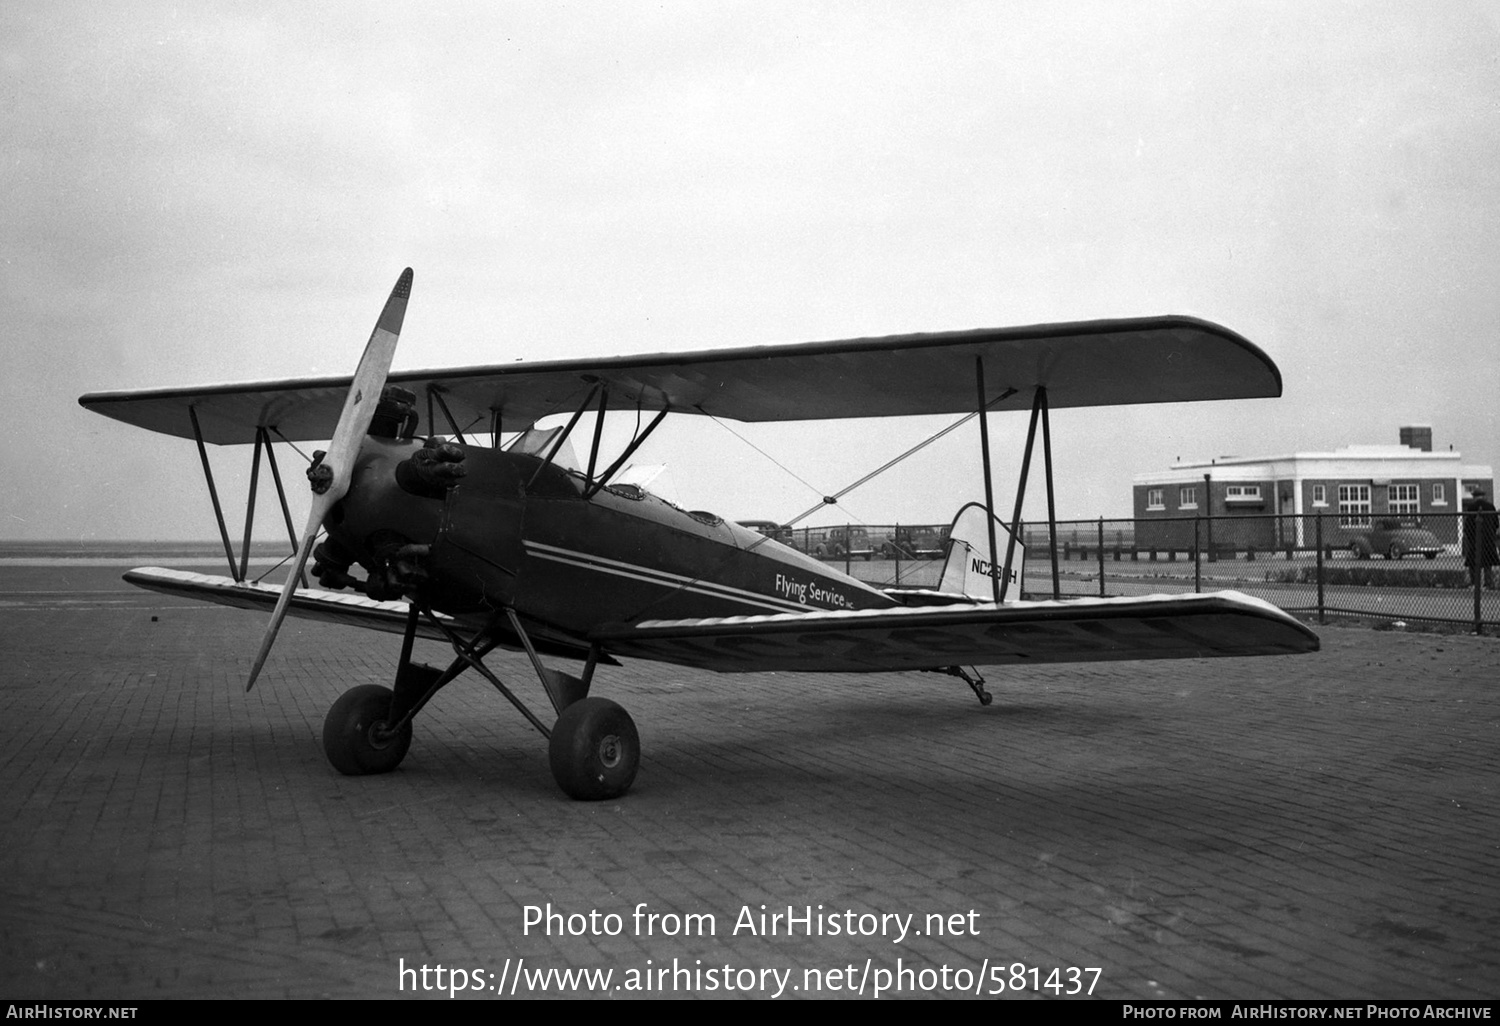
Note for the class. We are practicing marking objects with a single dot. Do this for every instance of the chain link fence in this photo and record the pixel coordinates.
(1389, 567)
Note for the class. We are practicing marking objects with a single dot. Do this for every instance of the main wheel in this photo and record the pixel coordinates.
(595, 750)
(1395, 551)
(354, 735)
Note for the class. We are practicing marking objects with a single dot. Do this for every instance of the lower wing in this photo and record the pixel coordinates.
(308, 604)
(1223, 623)
(910, 638)
(345, 608)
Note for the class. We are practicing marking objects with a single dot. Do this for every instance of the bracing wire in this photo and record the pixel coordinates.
(829, 500)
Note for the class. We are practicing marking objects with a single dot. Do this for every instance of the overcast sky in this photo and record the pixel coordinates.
(206, 193)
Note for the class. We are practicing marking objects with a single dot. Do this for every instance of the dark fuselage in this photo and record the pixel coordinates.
(517, 531)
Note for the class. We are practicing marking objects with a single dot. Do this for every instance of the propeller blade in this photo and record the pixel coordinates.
(343, 449)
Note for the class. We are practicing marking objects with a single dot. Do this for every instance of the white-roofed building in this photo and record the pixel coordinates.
(1269, 502)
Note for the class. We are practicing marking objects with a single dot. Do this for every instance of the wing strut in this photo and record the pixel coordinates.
(286, 513)
(250, 507)
(240, 571)
(213, 493)
(434, 392)
(989, 485)
(598, 433)
(1000, 585)
(1037, 402)
(1051, 505)
(558, 444)
(635, 443)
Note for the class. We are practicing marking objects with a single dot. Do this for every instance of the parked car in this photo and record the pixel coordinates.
(845, 543)
(914, 542)
(1395, 538)
(771, 529)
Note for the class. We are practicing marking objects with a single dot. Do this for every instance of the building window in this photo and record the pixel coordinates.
(1439, 495)
(1320, 495)
(1354, 505)
(1242, 493)
(1154, 499)
(1187, 498)
(1402, 499)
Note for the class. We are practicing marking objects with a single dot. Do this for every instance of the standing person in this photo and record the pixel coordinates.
(1480, 525)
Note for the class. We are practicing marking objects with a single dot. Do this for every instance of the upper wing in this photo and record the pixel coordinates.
(1081, 630)
(1092, 363)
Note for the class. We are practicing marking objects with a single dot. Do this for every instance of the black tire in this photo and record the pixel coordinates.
(1359, 551)
(595, 750)
(352, 738)
(1395, 551)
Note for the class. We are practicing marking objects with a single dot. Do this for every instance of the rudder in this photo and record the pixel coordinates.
(967, 570)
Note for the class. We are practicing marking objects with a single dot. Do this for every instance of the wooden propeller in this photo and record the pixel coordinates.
(354, 422)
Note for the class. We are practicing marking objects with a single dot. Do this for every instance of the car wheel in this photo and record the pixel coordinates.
(1358, 551)
(1395, 551)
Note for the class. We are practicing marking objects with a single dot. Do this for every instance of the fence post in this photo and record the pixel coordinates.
(848, 550)
(1476, 547)
(1197, 556)
(1322, 618)
(1101, 557)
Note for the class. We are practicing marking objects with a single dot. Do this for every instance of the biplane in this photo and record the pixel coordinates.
(486, 531)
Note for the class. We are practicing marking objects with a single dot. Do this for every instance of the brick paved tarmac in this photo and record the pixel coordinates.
(1315, 827)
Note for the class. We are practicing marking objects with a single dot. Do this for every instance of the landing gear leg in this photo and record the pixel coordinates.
(972, 678)
(594, 748)
(368, 730)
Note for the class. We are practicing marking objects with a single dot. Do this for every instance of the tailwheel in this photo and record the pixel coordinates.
(594, 750)
(355, 737)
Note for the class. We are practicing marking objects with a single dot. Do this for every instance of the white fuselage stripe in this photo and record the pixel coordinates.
(662, 578)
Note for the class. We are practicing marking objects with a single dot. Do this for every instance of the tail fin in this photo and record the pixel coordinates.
(968, 571)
